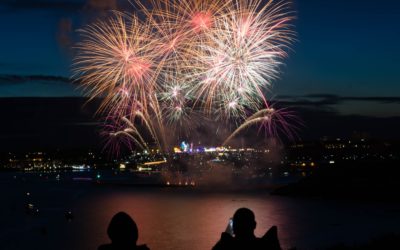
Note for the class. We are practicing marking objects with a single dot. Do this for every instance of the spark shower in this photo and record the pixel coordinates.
(175, 63)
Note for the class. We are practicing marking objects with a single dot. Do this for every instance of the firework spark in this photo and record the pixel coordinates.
(273, 121)
(209, 59)
(243, 56)
(117, 61)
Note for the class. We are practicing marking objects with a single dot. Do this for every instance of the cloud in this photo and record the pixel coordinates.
(315, 100)
(18, 79)
(329, 99)
(379, 99)
(12, 86)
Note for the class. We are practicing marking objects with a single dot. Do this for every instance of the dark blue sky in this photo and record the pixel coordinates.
(346, 48)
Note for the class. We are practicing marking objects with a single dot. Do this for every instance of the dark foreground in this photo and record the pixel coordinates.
(370, 181)
(170, 218)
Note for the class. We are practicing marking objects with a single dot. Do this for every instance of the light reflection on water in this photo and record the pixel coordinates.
(181, 221)
(170, 219)
(179, 218)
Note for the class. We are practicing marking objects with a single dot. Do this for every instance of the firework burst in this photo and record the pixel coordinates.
(243, 57)
(117, 61)
(188, 61)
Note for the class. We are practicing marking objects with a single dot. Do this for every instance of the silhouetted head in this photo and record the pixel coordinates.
(244, 223)
(123, 230)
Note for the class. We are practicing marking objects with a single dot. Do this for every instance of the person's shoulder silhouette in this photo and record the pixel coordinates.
(240, 235)
(123, 233)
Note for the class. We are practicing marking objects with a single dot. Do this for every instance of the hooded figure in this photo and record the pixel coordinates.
(123, 234)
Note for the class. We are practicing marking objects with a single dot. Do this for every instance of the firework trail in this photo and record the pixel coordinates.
(273, 121)
(117, 136)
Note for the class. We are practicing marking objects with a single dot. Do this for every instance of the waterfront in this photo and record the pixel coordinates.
(170, 218)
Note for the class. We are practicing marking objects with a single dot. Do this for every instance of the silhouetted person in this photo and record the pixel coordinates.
(123, 233)
(241, 234)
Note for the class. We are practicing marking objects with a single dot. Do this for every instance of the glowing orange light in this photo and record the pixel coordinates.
(202, 21)
(137, 67)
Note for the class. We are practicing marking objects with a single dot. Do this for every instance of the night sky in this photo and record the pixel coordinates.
(345, 62)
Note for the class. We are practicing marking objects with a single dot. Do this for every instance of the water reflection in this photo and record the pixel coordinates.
(169, 220)
(190, 220)
(179, 218)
